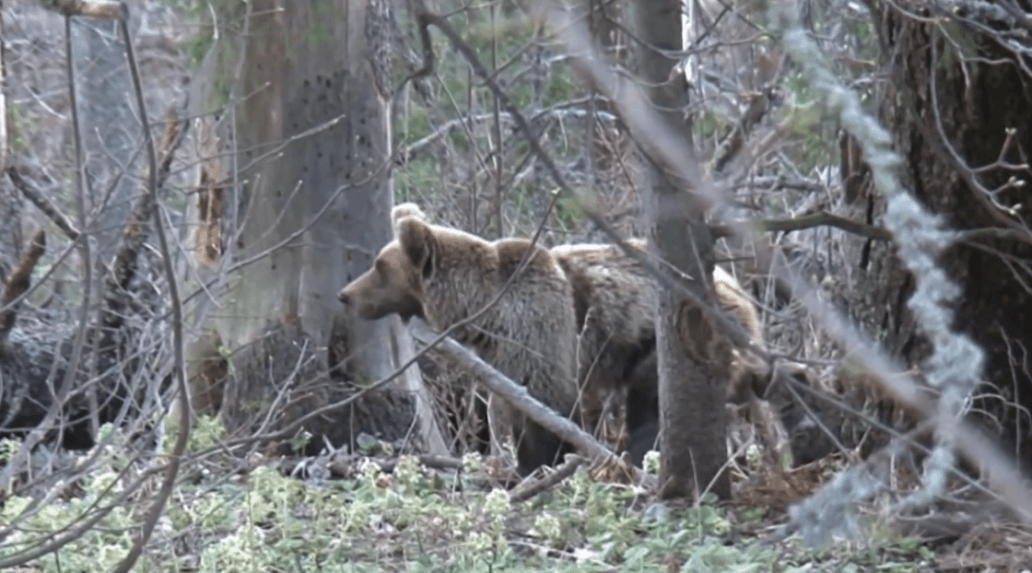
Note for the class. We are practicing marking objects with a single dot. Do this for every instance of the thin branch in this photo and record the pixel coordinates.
(179, 367)
(42, 203)
(37, 434)
(818, 219)
(561, 111)
(562, 472)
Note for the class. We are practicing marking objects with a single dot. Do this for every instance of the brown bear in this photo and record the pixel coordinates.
(450, 277)
(471, 398)
(615, 307)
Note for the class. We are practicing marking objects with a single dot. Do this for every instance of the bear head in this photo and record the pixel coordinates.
(394, 284)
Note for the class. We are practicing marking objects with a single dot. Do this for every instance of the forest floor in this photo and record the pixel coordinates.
(372, 514)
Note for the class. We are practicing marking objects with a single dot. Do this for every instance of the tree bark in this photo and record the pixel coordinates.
(929, 97)
(317, 212)
(109, 132)
(693, 352)
(10, 202)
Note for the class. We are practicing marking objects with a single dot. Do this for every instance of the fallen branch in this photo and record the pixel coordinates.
(562, 472)
(519, 398)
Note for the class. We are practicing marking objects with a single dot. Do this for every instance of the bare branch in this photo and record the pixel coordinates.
(818, 219)
(179, 368)
(562, 472)
(42, 203)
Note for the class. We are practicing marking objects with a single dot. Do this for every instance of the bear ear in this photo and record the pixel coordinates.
(402, 210)
(418, 243)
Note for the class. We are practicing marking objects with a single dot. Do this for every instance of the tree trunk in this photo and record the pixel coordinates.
(10, 202)
(109, 134)
(933, 92)
(314, 210)
(693, 352)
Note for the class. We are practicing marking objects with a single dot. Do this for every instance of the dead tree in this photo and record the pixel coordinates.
(310, 145)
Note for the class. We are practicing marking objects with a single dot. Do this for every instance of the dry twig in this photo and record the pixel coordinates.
(42, 203)
(179, 367)
(562, 472)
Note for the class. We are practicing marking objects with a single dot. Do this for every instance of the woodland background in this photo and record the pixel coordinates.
(273, 177)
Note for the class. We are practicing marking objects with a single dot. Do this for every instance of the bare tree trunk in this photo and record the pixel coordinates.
(693, 351)
(10, 202)
(109, 127)
(4, 138)
(314, 146)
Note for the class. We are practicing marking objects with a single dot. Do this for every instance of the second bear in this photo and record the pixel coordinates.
(615, 305)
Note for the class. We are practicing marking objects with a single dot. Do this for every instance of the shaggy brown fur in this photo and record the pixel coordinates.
(614, 303)
(447, 276)
(615, 306)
